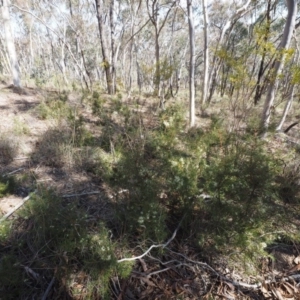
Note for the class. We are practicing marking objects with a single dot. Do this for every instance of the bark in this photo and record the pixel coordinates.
(289, 102)
(258, 91)
(112, 46)
(206, 55)
(192, 62)
(105, 56)
(284, 44)
(286, 108)
(10, 44)
(153, 12)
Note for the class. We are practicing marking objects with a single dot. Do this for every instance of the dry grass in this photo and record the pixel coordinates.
(54, 148)
(8, 148)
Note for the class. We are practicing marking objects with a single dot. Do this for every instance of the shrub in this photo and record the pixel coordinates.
(7, 185)
(53, 108)
(53, 146)
(236, 171)
(56, 236)
(8, 149)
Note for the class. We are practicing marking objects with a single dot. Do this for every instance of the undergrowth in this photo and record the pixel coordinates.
(58, 241)
(224, 186)
(230, 194)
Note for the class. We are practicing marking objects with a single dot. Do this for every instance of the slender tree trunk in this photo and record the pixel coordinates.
(112, 46)
(157, 65)
(129, 86)
(206, 55)
(4, 57)
(192, 63)
(287, 107)
(62, 61)
(10, 44)
(258, 91)
(290, 99)
(181, 65)
(286, 38)
(105, 57)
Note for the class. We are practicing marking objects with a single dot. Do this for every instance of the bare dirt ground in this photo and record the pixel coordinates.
(20, 122)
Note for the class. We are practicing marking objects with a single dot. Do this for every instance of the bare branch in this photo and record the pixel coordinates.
(153, 246)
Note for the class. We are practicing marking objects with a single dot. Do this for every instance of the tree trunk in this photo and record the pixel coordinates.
(105, 60)
(112, 46)
(10, 44)
(286, 38)
(258, 91)
(192, 62)
(206, 57)
(157, 65)
(286, 108)
(290, 99)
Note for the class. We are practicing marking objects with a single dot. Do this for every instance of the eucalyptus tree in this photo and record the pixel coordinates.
(205, 51)
(104, 48)
(158, 12)
(10, 44)
(192, 62)
(225, 27)
(293, 79)
(278, 63)
(264, 37)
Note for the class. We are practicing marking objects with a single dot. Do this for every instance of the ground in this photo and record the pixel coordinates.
(22, 125)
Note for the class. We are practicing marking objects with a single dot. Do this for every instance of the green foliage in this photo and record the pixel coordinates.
(97, 102)
(58, 235)
(165, 172)
(238, 71)
(11, 277)
(7, 185)
(80, 135)
(230, 193)
(54, 108)
(295, 74)
(239, 179)
(19, 127)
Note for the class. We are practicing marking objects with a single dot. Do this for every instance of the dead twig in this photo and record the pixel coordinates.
(48, 288)
(13, 172)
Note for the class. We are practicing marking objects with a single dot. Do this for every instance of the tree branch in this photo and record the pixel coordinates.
(153, 246)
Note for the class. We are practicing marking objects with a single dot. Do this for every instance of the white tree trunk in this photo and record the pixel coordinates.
(286, 108)
(192, 62)
(290, 99)
(284, 44)
(10, 44)
(206, 55)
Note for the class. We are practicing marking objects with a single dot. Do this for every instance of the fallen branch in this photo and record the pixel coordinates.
(14, 209)
(82, 194)
(291, 126)
(153, 246)
(13, 172)
(48, 288)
